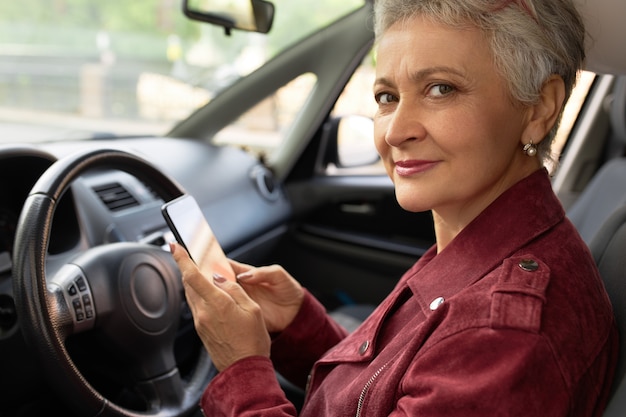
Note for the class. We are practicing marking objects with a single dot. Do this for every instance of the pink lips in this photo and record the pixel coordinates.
(412, 167)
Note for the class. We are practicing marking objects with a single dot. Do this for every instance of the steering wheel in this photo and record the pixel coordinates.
(126, 296)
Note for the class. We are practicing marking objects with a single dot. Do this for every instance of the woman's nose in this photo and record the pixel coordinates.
(404, 124)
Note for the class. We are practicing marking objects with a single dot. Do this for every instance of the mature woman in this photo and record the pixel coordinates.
(506, 314)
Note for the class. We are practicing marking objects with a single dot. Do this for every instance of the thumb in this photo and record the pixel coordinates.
(182, 258)
(239, 267)
(191, 275)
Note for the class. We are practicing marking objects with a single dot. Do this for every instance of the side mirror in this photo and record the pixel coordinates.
(248, 15)
(349, 142)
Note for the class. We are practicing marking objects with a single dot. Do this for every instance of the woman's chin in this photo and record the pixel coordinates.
(411, 202)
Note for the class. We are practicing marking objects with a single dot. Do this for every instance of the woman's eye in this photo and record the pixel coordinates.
(384, 98)
(439, 90)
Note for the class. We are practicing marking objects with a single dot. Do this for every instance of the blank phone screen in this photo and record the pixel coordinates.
(191, 229)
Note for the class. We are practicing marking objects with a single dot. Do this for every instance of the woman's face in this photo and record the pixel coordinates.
(446, 128)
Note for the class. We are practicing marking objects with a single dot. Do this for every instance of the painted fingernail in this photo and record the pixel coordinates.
(218, 279)
(172, 247)
(244, 275)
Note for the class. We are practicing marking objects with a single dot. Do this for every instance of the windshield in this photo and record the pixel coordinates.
(90, 69)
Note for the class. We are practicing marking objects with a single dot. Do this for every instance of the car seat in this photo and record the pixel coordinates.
(608, 249)
(607, 189)
(605, 192)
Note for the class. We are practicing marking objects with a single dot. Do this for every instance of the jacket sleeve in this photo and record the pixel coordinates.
(305, 340)
(246, 388)
(249, 387)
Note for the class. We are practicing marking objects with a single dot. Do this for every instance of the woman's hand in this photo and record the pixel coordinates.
(277, 293)
(229, 323)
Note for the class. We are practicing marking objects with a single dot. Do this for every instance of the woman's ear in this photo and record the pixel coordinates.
(544, 114)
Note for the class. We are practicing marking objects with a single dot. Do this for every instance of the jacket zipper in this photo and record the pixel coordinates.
(366, 388)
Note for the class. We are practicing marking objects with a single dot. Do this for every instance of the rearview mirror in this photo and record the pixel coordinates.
(248, 15)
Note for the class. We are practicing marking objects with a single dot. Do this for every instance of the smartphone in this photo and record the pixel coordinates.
(191, 229)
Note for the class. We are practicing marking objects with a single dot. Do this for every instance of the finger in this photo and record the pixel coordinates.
(272, 274)
(244, 272)
(239, 267)
(184, 262)
(235, 291)
(192, 276)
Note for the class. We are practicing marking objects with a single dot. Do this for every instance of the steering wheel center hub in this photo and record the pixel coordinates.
(148, 291)
(147, 294)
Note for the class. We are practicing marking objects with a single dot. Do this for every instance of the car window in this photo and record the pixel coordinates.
(260, 129)
(79, 69)
(570, 113)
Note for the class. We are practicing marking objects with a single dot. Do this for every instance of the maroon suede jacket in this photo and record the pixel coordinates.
(511, 319)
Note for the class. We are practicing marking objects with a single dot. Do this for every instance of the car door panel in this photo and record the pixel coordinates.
(349, 240)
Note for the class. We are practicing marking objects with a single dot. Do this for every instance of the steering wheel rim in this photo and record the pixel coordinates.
(45, 311)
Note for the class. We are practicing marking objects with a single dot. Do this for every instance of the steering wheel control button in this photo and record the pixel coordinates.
(77, 295)
(88, 306)
(80, 283)
(71, 289)
(364, 347)
(528, 265)
(434, 305)
(78, 309)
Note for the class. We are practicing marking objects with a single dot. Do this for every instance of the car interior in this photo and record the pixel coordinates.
(84, 263)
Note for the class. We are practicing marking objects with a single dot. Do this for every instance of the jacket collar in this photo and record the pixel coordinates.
(519, 215)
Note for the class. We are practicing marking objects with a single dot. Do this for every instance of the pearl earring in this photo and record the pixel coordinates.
(530, 148)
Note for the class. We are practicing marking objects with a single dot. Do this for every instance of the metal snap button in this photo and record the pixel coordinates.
(436, 303)
(364, 347)
(529, 265)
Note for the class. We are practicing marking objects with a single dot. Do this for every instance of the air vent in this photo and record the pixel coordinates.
(115, 196)
(265, 182)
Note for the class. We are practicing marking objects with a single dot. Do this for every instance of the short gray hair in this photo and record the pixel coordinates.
(531, 40)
